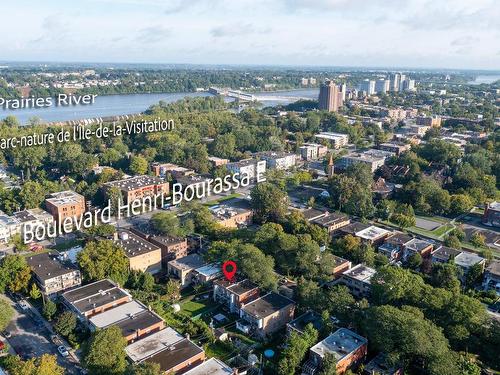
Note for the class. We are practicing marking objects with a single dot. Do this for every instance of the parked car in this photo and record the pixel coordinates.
(63, 351)
(23, 305)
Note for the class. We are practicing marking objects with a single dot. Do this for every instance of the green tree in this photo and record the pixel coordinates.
(32, 194)
(269, 202)
(104, 354)
(49, 310)
(411, 339)
(446, 276)
(6, 313)
(296, 349)
(144, 368)
(478, 240)
(167, 223)
(414, 261)
(66, 323)
(328, 365)
(460, 203)
(138, 165)
(453, 242)
(15, 273)
(35, 292)
(99, 260)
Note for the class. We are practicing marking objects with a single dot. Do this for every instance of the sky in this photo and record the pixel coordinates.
(456, 34)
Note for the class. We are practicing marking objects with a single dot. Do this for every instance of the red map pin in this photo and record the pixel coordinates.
(229, 269)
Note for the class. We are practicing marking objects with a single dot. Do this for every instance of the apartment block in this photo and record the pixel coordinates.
(51, 275)
(266, 315)
(358, 280)
(235, 295)
(278, 160)
(65, 204)
(250, 167)
(138, 187)
(348, 348)
(95, 298)
(142, 255)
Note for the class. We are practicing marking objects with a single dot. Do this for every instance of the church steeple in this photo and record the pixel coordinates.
(330, 168)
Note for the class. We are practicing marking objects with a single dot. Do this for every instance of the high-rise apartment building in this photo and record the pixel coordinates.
(382, 86)
(395, 81)
(368, 86)
(330, 97)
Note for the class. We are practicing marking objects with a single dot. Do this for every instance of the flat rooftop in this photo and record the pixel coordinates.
(331, 218)
(398, 239)
(361, 273)
(417, 244)
(372, 233)
(134, 183)
(466, 259)
(46, 266)
(309, 317)
(213, 366)
(267, 305)
(312, 213)
(32, 215)
(242, 287)
(494, 206)
(210, 270)
(189, 262)
(181, 352)
(339, 260)
(65, 197)
(494, 268)
(90, 296)
(134, 245)
(140, 321)
(153, 344)
(354, 227)
(341, 343)
(331, 136)
(444, 253)
(116, 314)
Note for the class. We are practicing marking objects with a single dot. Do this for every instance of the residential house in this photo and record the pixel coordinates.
(142, 255)
(95, 298)
(416, 245)
(393, 246)
(51, 275)
(491, 279)
(235, 295)
(332, 221)
(358, 280)
(65, 204)
(348, 348)
(133, 318)
(266, 315)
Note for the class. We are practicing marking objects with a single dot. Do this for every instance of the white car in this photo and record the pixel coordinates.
(23, 305)
(63, 351)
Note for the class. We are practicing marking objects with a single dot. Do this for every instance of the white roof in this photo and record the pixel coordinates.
(361, 272)
(466, 259)
(117, 314)
(341, 343)
(152, 344)
(372, 233)
(210, 270)
(213, 366)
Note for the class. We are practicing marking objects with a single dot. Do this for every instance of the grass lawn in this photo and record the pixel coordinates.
(220, 200)
(68, 244)
(219, 350)
(195, 308)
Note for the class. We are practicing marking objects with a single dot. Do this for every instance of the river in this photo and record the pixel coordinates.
(485, 79)
(113, 105)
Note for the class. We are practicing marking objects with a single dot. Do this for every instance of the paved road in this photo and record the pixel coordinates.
(31, 338)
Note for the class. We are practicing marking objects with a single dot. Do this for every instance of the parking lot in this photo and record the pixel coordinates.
(31, 338)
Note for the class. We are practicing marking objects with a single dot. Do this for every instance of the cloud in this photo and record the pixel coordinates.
(153, 34)
(237, 30)
(54, 28)
(465, 41)
(179, 6)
